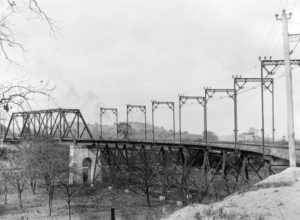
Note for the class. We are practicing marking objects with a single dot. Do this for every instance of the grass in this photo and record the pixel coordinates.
(221, 214)
(249, 188)
(91, 203)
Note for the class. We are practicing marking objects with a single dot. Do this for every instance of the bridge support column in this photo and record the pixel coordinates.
(185, 173)
(84, 169)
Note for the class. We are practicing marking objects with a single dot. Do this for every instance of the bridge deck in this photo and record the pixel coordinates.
(249, 148)
(270, 150)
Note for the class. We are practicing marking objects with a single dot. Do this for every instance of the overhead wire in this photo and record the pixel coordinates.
(268, 46)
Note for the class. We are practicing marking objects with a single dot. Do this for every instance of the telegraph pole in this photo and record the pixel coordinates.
(289, 88)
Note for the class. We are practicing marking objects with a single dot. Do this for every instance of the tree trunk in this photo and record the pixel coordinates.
(148, 196)
(50, 205)
(69, 208)
(50, 197)
(5, 194)
(33, 184)
(47, 181)
(20, 198)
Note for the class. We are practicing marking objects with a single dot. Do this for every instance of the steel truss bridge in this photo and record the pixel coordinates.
(176, 162)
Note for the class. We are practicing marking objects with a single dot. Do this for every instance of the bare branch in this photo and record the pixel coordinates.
(20, 93)
(7, 37)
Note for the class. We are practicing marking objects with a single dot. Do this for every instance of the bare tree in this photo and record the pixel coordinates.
(253, 132)
(20, 93)
(17, 175)
(49, 160)
(144, 171)
(4, 179)
(211, 136)
(68, 189)
(8, 9)
(124, 130)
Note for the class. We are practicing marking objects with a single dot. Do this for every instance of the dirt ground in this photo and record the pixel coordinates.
(277, 197)
(93, 203)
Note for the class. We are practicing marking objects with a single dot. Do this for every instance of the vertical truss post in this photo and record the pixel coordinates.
(102, 111)
(182, 100)
(179, 111)
(205, 117)
(235, 118)
(60, 124)
(143, 110)
(145, 124)
(127, 124)
(273, 117)
(152, 110)
(209, 93)
(174, 132)
(171, 105)
(117, 121)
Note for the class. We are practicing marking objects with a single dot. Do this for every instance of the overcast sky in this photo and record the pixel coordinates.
(118, 52)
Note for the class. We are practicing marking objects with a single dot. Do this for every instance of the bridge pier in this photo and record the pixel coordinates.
(84, 165)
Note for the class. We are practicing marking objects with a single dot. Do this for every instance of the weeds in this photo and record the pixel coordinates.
(221, 214)
(249, 188)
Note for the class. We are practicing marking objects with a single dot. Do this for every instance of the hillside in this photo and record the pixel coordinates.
(277, 197)
(138, 132)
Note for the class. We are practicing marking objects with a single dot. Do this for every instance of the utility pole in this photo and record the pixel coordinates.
(289, 88)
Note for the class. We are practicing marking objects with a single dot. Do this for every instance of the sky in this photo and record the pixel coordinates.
(118, 52)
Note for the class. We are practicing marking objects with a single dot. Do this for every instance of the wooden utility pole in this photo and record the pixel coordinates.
(289, 88)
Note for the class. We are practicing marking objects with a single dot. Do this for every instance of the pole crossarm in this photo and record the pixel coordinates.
(113, 110)
(209, 93)
(270, 66)
(155, 104)
(183, 99)
(266, 62)
(240, 82)
(60, 124)
(102, 112)
(141, 107)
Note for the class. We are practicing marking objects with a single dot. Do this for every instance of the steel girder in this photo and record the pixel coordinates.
(183, 172)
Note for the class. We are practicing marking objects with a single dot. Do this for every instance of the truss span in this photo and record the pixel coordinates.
(61, 124)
